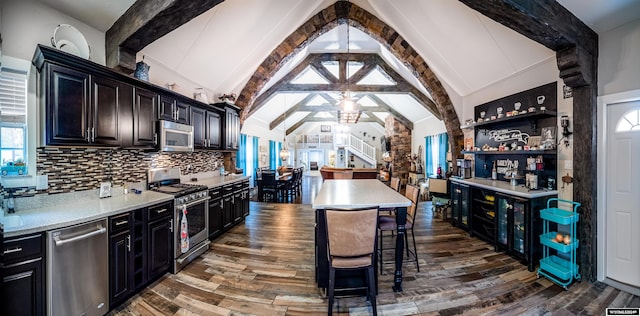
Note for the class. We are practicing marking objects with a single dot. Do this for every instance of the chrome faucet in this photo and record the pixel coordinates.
(11, 208)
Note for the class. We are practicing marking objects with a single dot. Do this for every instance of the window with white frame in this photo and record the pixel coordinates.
(13, 114)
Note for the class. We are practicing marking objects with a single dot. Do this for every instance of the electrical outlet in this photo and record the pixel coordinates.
(42, 182)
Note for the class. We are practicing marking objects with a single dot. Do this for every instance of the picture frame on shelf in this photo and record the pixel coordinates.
(325, 128)
(548, 137)
(534, 141)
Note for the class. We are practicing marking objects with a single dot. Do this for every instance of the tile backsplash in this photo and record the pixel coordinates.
(79, 169)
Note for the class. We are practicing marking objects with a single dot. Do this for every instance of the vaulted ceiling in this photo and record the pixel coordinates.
(221, 48)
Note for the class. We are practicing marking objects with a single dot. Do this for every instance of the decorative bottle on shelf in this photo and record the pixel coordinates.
(494, 172)
(439, 172)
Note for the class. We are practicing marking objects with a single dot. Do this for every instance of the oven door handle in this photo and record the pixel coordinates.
(193, 203)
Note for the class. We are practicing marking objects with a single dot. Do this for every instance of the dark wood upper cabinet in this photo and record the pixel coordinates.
(108, 98)
(88, 104)
(172, 109)
(83, 109)
(230, 126)
(232, 129)
(214, 128)
(67, 106)
(144, 113)
(206, 128)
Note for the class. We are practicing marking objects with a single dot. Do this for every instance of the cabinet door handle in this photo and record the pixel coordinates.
(88, 135)
(121, 223)
(160, 211)
(221, 203)
(129, 243)
(155, 139)
(18, 276)
(8, 251)
(93, 134)
(171, 225)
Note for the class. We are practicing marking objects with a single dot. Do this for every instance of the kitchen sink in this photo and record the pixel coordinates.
(12, 221)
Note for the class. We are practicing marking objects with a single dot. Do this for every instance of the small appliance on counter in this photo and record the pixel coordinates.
(464, 168)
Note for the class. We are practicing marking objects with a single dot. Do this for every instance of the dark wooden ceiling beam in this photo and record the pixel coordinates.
(393, 112)
(323, 71)
(263, 98)
(420, 97)
(372, 118)
(301, 122)
(143, 23)
(290, 111)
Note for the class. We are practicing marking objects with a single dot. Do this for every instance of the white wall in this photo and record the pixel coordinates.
(26, 23)
(619, 59)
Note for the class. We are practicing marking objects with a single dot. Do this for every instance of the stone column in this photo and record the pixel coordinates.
(399, 136)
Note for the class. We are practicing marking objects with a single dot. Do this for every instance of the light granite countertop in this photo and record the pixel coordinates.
(358, 193)
(63, 210)
(47, 212)
(212, 181)
(506, 187)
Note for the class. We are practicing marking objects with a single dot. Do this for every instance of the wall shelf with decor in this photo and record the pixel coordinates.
(509, 131)
(512, 152)
(536, 115)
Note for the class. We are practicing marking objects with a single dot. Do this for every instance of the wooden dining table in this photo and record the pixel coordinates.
(358, 193)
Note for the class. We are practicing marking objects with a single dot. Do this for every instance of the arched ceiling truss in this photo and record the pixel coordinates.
(368, 64)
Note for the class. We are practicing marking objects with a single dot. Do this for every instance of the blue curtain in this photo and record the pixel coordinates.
(278, 149)
(256, 152)
(429, 159)
(443, 147)
(241, 161)
(273, 154)
(436, 147)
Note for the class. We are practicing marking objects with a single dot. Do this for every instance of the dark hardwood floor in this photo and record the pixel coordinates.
(266, 267)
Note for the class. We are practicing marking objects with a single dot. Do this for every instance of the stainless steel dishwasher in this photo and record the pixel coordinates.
(78, 270)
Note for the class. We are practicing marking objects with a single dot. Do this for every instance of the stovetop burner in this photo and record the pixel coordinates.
(167, 180)
(180, 188)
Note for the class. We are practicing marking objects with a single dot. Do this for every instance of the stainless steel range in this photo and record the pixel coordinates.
(195, 199)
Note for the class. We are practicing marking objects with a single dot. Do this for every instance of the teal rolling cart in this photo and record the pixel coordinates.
(561, 267)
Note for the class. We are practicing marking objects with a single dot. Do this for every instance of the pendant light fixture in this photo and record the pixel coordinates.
(284, 152)
(348, 114)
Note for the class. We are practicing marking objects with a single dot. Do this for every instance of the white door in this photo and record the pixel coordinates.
(623, 193)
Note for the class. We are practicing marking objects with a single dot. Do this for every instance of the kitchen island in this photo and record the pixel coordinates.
(357, 193)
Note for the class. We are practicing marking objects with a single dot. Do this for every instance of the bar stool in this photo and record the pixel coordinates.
(386, 224)
(351, 245)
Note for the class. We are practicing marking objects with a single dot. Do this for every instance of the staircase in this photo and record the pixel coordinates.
(361, 149)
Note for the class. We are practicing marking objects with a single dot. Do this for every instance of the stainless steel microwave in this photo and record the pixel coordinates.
(175, 136)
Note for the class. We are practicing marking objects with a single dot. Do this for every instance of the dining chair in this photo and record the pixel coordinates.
(387, 213)
(388, 223)
(270, 186)
(257, 176)
(351, 245)
(288, 187)
(298, 184)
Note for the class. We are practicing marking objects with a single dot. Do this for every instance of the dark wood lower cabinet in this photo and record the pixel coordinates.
(511, 223)
(140, 249)
(23, 289)
(23, 281)
(120, 267)
(160, 247)
(215, 213)
(227, 206)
